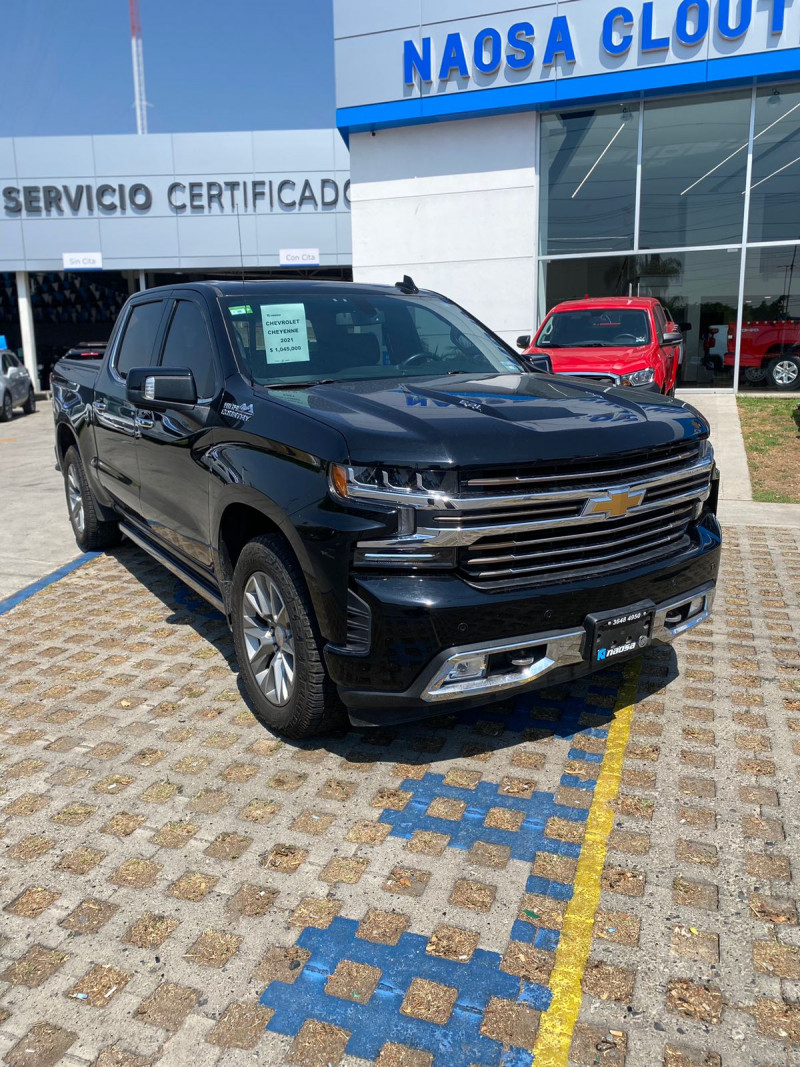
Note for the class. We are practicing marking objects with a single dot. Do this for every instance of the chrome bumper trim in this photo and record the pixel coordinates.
(551, 649)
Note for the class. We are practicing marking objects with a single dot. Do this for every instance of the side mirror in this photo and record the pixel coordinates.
(673, 337)
(158, 387)
(524, 341)
(539, 363)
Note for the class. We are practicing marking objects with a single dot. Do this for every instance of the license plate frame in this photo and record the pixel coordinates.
(617, 635)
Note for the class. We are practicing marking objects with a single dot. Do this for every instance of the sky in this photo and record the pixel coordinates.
(209, 65)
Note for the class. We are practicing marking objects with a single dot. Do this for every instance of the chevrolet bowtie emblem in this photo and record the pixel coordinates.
(613, 505)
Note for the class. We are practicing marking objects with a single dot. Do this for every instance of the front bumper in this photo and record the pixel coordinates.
(422, 625)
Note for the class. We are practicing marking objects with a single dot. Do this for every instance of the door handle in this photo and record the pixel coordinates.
(100, 405)
(146, 421)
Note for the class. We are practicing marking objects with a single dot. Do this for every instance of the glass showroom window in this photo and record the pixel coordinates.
(770, 318)
(698, 289)
(775, 186)
(694, 166)
(588, 179)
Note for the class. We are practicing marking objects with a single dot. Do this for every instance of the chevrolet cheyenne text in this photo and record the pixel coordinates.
(386, 502)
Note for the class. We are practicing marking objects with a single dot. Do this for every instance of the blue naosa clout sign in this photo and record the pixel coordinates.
(619, 30)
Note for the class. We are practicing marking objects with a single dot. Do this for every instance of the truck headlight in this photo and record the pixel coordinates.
(393, 485)
(639, 377)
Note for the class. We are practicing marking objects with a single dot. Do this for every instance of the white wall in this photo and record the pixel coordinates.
(453, 204)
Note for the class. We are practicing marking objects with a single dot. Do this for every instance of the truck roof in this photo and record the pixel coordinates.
(255, 286)
(607, 302)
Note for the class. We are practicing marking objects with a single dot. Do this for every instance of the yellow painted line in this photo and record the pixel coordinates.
(551, 1048)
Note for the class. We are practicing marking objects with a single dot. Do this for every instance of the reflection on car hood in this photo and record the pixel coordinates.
(598, 360)
(496, 418)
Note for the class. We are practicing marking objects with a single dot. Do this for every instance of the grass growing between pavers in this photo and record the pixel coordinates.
(772, 443)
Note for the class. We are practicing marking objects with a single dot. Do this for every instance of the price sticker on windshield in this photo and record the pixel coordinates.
(285, 333)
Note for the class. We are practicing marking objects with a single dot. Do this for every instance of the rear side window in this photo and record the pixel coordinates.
(188, 346)
(139, 338)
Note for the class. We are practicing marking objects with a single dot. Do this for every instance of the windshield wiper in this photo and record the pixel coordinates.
(297, 385)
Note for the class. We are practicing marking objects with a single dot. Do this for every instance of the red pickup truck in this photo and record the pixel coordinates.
(615, 339)
(770, 352)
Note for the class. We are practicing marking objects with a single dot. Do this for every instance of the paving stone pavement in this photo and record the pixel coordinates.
(179, 886)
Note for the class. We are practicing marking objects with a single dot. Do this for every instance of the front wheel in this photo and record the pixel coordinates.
(6, 408)
(784, 372)
(278, 644)
(29, 407)
(90, 531)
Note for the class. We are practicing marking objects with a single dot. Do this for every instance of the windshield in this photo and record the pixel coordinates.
(595, 328)
(288, 339)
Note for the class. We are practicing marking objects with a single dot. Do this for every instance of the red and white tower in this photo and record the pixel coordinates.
(140, 100)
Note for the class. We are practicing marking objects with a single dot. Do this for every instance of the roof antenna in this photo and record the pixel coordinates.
(241, 253)
(406, 285)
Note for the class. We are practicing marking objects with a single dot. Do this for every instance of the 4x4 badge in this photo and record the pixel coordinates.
(614, 505)
(238, 411)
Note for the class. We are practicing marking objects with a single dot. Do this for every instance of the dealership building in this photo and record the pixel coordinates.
(85, 221)
(517, 155)
(510, 156)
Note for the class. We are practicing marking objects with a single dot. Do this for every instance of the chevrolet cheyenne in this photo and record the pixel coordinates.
(396, 513)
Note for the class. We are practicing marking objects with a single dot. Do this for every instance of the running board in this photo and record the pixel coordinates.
(177, 569)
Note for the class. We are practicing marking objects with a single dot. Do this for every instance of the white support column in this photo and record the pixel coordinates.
(142, 281)
(737, 354)
(26, 327)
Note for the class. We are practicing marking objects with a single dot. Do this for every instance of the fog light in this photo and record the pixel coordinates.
(467, 669)
(696, 607)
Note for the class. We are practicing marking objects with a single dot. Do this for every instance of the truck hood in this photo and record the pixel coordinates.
(463, 420)
(597, 360)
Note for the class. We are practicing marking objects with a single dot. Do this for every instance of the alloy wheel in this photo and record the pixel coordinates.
(75, 500)
(268, 638)
(8, 407)
(785, 371)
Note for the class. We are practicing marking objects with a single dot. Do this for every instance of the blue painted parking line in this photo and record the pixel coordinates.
(462, 1039)
(379, 1019)
(471, 826)
(55, 576)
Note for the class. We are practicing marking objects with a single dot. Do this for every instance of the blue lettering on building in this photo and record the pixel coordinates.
(520, 40)
(651, 43)
(733, 33)
(559, 42)
(453, 58)
(414, 60)
(488, 51)
(619, 29)
(688, 10)
(616, 21)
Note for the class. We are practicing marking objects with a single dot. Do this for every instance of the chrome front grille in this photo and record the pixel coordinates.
(555, 522)
(597, 547)
(591, 474)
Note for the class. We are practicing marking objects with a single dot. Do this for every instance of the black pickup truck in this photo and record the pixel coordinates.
(396, 513)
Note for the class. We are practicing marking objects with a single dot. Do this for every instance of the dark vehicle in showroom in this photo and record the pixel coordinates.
(396, 513)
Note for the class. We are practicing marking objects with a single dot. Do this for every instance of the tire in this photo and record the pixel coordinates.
(278, 644)
(29, 407)
(6, 408)
(754, 375)
(783, 372)
(91, 533)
